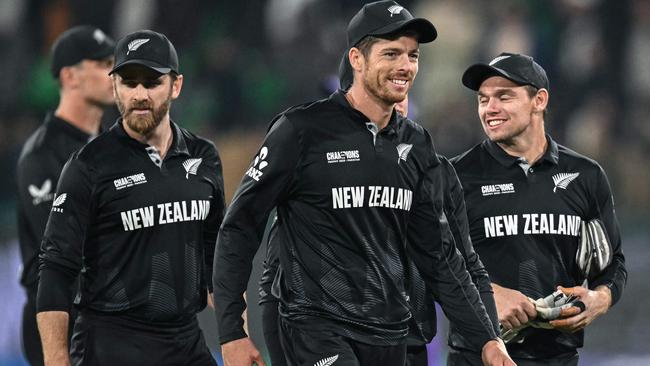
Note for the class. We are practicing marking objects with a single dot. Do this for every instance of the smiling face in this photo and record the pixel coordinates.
(144, 96)
(388, 71)
(507, 111)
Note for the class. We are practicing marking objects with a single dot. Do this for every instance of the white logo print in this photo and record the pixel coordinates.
(191, 165)
(497, 59)
(494, 189)
(344, 156)
(562, 180)
(130, 181)
(58, 202)
(99, 36)
(42, 194)
(395, 9)
(403, 151)
(135, 44)
(255, 171)
(327, 361)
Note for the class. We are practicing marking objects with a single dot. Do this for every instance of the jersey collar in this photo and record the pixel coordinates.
(551, 154)
(339, 98)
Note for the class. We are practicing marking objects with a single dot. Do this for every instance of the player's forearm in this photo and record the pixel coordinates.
(53, 328)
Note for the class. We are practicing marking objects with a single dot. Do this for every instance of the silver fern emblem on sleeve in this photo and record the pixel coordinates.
(327, 361)
(191, 166)
(59, 200)
(135, 44)
(562, 180)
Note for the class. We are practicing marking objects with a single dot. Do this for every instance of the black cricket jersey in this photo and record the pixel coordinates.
(140, 230)
(422, 298)
(525, 225)
(349, 198)
(39, 166)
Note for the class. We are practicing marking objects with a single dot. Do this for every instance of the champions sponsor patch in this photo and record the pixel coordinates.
(495, 189)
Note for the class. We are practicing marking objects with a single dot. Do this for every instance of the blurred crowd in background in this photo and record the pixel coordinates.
(244, 61)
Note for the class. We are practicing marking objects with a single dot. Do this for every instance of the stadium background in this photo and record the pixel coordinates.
(244, 61)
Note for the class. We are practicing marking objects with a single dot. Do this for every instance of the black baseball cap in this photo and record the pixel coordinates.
(345, 72)
(386, 17)
(146, 48)
(518, 68)
(80, 43)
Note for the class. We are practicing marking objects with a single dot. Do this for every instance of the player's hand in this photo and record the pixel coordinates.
(596, 302)
(513, 308)
(241, 352)
(494, 354)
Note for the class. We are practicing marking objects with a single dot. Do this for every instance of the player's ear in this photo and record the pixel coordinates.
(541, 100)
(177, 85)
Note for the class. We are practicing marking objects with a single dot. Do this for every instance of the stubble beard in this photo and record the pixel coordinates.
(383, 94)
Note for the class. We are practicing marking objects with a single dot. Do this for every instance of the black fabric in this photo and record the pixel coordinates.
(101, 340)
(271, 330)
(526, 227)
(141, 236)
(39, 166)
(416, 356)
(308, 347)
(79, 43)
(343, 256)
(570, 359)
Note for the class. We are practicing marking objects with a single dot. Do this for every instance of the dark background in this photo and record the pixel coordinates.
(245, 61)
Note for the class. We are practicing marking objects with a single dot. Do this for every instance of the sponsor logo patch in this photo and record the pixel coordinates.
(130, 181)
(495, 189)
(42, 194)
(255, 171)
(346, 156)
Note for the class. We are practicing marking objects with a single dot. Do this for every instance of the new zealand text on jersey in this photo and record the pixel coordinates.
(378, 196)
(534, 223)
(168, 213)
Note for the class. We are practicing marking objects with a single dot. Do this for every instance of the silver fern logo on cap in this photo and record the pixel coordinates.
(135, 44)
(562, 180)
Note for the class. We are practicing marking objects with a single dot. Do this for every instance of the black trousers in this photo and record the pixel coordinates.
(100, 340)
(271, 329)
(305, 347)
(417, 356)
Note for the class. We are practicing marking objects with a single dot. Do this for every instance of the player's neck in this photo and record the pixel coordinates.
(84, 116)
(377, 111)
(160, 137)
(530, 145)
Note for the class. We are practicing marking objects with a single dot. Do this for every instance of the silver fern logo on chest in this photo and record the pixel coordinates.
(403, 151)
(191, 166)
(562, 180)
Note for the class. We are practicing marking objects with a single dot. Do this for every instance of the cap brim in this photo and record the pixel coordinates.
(149, 64)
(425, 30)
(476, 74)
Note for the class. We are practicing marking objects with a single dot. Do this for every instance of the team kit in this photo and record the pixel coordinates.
(366, 226)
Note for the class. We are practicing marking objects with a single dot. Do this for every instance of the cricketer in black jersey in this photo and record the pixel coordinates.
(526, 197)
(80, 60)
(347, 198)
(136, 217)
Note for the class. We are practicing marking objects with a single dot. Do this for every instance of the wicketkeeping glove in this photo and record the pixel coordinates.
(595, 251)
